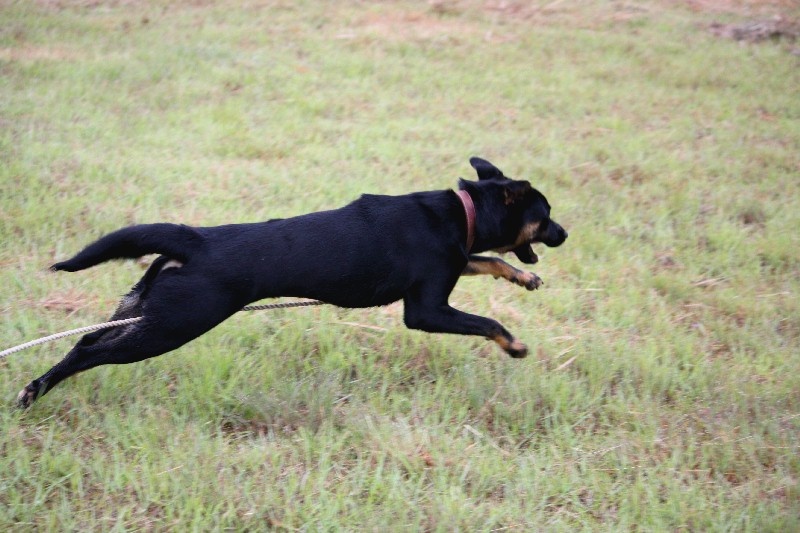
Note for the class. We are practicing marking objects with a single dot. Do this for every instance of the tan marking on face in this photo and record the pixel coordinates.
(525, 236)
(527, 233)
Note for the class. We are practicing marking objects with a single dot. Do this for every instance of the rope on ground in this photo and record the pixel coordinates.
(126, 321)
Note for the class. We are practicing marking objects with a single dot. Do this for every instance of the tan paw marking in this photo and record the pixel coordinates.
(514, 348)
(26, 397)
(529, 280)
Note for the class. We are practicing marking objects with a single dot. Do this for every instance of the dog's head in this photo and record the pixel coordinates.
(511, 215)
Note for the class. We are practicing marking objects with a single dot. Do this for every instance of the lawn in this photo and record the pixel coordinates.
(662, 392)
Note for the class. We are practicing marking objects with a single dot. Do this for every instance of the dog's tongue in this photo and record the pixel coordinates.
(525, 254)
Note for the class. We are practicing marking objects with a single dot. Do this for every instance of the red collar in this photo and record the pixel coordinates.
(469, 210)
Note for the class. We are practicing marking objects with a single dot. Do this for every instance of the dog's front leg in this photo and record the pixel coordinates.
(496, 267)
(441, 318)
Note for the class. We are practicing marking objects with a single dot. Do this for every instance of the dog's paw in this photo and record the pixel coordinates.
(529, 280)
(517, 350)
(511, 346)
(27, 396)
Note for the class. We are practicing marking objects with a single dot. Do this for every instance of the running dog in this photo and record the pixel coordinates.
(372, 252)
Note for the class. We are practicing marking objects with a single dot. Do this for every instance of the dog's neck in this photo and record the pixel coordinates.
(469, 211)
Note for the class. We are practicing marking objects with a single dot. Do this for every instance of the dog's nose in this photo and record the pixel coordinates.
(565, 233)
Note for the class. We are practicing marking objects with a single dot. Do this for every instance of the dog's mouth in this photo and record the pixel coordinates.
(526, 254)
(548, 233)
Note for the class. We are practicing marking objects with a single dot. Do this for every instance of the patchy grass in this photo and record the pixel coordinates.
(663, 389)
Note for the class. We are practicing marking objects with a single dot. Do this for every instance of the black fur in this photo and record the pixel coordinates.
(374, 251)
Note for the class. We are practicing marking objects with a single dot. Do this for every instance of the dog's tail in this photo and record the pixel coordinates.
(173, 240)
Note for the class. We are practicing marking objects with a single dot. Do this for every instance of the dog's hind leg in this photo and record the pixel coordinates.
(175, 310)
(497, 268)
(125, 344)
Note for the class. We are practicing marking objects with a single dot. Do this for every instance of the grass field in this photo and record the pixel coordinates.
(663, 388)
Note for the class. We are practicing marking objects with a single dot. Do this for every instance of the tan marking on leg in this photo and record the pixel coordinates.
(27, 396)
(503, 342)
(498, 268)
(512, 347)
(23, 398)
(490, 267)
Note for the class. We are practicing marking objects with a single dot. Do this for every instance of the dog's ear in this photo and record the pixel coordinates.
(465, 185)
(516, 190)
(486, 170)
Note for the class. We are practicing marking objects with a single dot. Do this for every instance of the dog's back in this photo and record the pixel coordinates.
(364, 254)
(374, 251)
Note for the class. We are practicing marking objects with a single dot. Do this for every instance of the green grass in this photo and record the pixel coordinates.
(663, 389)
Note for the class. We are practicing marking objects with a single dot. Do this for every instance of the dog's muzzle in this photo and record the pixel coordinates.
(554, 236)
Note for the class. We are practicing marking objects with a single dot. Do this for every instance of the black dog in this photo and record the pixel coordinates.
(374, 251)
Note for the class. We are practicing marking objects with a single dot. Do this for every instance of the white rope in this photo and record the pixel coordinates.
(63, 334)
(267, 307)
(126, 321)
